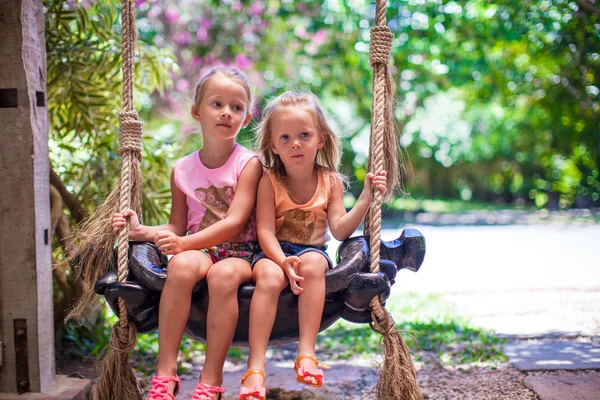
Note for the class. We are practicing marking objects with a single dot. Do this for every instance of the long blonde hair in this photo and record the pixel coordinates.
(231, 73)
(328, 158)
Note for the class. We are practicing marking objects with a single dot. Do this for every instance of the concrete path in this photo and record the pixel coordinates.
(536, 355)
(578, 387)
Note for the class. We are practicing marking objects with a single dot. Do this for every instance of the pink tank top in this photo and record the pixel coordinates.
(302, 223)
(209, 192)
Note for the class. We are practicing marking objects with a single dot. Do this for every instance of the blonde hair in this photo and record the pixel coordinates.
(231, 73)
(328, 158)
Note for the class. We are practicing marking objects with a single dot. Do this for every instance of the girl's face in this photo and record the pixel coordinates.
(223, 110)
(296, 138)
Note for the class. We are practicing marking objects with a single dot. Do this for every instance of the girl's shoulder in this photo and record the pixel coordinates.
(269, 173)
(242, 157)
(189, 159)
(271, 176)
(330, 178)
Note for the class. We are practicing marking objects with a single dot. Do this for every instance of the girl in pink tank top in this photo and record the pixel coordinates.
(211, 231)
(299, 199)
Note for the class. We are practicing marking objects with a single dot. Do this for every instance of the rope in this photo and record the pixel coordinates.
(116, 379)
(397, 379)
(130, 139)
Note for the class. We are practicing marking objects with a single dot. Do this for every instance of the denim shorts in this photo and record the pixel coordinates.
(225, 250)
(292, 249)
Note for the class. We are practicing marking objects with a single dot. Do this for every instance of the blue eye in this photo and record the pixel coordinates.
(305, 134)
(285, 137)
(217, 103)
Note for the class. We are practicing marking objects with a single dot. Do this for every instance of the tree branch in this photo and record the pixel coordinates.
(70, 290)
(56, 205)
(77, 211)
(586, 5)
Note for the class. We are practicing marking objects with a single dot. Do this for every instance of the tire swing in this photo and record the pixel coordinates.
(357, 287)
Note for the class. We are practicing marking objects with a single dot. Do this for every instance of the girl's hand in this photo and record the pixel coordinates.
(168, 242)
(289, 266)
(119, 221)
(378, 181)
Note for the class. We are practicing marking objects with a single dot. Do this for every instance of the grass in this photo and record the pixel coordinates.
(427, 324)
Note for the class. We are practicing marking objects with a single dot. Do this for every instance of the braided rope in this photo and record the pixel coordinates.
(130, 140)
(116, 379)
(381, 45)
(398, 374)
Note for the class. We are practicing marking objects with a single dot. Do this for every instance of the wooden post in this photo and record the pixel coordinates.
(26, 316)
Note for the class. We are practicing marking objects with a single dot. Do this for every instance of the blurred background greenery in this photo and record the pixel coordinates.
(498, 102)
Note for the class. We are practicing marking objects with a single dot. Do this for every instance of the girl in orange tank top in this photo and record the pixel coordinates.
(299, 199)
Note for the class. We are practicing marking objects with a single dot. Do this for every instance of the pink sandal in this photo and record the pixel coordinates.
(160, 388)
(205, 391)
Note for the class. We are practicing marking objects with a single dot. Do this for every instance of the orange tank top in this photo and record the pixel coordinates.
(304, 224)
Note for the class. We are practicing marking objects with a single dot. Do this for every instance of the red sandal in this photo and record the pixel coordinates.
(160, 388)
(204, 391)
(302, 372)
(256, 391)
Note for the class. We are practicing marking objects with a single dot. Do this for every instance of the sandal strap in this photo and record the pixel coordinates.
(254, 372)
(160, 384)
(256, 391)
(304, 372)
(204, 389)
(312, 358)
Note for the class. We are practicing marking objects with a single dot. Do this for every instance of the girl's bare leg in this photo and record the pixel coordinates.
(223, 280)
(183, 271)
(270, 280)
(310, 306)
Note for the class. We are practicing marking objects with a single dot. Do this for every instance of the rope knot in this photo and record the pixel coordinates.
(381, 45)
(123, 338)
(385, 328)
(130, 133)
(381, 320)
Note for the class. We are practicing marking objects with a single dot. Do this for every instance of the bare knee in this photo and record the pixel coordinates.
(225, 277)
(185, 268)
(313, 266)
(270, 278)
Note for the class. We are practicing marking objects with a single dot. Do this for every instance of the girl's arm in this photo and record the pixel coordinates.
(237, 216)
(177, 221)
(341, 223)
(265, 221)
(265, 227)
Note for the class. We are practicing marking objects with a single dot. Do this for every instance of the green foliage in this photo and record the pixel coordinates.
(91, 337)
(497, 101)
(83, 46)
